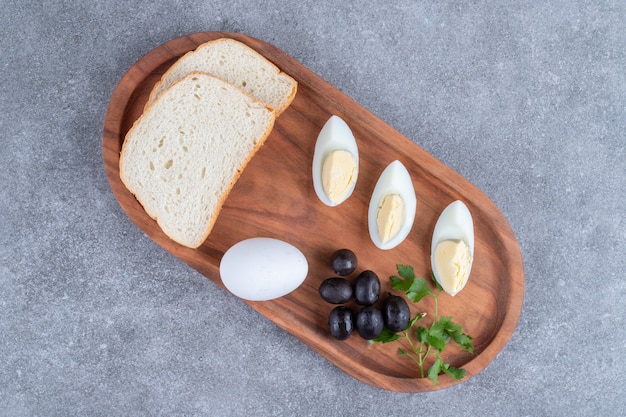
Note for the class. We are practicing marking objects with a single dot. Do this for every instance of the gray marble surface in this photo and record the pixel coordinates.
(527, 100)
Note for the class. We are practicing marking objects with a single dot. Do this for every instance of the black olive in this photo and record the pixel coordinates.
(396, 313)
(369, 322)
(341, 322)
(343, 262)
(366, 288)
(336, 290)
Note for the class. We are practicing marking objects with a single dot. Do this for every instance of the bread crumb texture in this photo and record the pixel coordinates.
(240, 65)
(184, 154)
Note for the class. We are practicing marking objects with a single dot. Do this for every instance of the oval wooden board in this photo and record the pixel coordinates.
(274, 197)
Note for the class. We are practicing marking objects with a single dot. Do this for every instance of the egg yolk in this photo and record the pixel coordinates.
(452, 261)
(338, 175)
(390, 217)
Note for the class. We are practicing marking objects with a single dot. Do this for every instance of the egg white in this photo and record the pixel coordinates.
(335, 135)
(454, 223)
(261, 268)
(394, 179)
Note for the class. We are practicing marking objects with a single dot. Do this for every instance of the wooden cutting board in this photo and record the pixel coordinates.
(274, 197)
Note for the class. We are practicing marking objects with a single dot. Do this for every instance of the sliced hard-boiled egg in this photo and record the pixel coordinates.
(452, 249)
(335, 162)
(392, 207)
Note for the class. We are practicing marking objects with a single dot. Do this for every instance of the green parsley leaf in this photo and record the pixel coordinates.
(436, 340)
(435, 369)
(387, 336)
(438, 330)
(439, 287)
(400, 284)
(448, 325)
(418, 290)
(406, 271)
(455, 373)
(415, 289)
(453, 330)
(463, 340)
(421, 334)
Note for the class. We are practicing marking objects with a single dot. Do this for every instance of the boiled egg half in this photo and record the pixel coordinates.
(392, 207)
(452, 249)
(335, 162)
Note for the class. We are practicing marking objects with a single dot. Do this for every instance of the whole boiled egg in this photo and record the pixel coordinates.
(392, 207)
(262, 268)
(452, 249)
(335, 162)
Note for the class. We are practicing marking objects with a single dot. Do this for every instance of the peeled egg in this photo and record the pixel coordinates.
(261, 268)
(336, 158)
(456, 227)
(394, 182)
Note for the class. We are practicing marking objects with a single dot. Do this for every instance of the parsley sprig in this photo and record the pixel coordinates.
(426, 341)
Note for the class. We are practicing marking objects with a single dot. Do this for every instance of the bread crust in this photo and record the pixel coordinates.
(218, 207)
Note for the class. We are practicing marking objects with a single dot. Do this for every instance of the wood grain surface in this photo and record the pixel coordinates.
(274, 197)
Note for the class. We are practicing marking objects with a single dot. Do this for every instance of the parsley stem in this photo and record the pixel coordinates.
(436, 297)
(418, 360)
(424, 356)
(421, 354)
(421, 363)
(408, 338)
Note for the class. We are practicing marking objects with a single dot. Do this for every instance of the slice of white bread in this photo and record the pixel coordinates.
(238, 64)
(183, 155)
